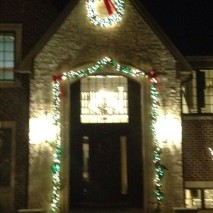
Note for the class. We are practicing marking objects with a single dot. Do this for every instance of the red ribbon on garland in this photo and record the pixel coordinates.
(109, 5)
(57, 77)
(152, 74)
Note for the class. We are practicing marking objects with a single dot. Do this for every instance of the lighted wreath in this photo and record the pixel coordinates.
(115, 9)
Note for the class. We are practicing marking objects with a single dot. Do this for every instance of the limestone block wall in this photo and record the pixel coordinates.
(40, 175)
(132, 42)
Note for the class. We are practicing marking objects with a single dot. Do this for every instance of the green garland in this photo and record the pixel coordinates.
(57, 93)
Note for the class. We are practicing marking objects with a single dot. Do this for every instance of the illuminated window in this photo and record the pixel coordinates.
(10, 51)
(104, 99)
(7, 55)
(199, 198)
(208, 198)
(193, 198)
(208, 92)
(197, 94)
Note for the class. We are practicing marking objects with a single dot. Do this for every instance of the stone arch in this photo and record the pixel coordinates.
(60, 114)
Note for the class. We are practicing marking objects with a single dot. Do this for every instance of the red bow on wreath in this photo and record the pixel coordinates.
(109, 6)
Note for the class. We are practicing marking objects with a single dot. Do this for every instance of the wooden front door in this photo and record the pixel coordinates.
(104, 167)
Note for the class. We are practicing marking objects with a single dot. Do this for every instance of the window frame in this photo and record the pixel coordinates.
(106, 83)
(193, 92)
(17, 30)
(202, 190)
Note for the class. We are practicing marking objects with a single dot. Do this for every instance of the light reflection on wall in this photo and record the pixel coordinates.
(42, 129)
(40, 160)
(168, 129)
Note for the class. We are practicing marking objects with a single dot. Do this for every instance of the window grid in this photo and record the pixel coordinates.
(197, 94)
(199, 198)
(104, 99)
(7, 56)
(208, 92)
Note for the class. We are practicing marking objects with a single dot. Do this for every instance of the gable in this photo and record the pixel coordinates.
(135, 38)
(74, 43)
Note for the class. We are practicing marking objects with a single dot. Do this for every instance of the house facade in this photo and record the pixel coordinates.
(99, 108)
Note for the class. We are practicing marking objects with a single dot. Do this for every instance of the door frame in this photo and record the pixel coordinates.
(134, 128)
(146, 138)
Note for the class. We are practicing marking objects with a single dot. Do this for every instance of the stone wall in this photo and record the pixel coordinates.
(132, 42)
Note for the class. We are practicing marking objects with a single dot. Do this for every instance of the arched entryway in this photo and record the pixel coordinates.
(105, 153)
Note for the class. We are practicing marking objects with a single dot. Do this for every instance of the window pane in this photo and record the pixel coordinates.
(86, 158)
(208, 91)
(8, 56)
(9, 64)
(1, 46)
(104, 99)
(8, 75)
(7, 44)
(9, 47)
(208, 198)
(124, 169)
(1, 56)
(189, 96)
(193, 198)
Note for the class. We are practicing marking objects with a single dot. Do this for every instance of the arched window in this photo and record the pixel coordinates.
(104, 99)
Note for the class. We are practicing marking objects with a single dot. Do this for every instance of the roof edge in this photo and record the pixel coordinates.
(183, 64)
(27, 62)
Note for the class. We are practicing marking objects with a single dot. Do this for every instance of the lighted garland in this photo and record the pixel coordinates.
(112, 18)
(159, 168)
(57, 93)
(56, 167)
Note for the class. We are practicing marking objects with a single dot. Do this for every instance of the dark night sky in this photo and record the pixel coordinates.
(188, 24)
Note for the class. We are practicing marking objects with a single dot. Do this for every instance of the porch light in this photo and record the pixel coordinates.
(42, 129)
(168, 129)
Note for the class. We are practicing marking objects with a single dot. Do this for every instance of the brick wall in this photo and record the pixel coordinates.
(197, 138)
(15, 107)
(36, 17)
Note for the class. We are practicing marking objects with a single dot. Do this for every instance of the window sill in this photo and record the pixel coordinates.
(204, 116)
